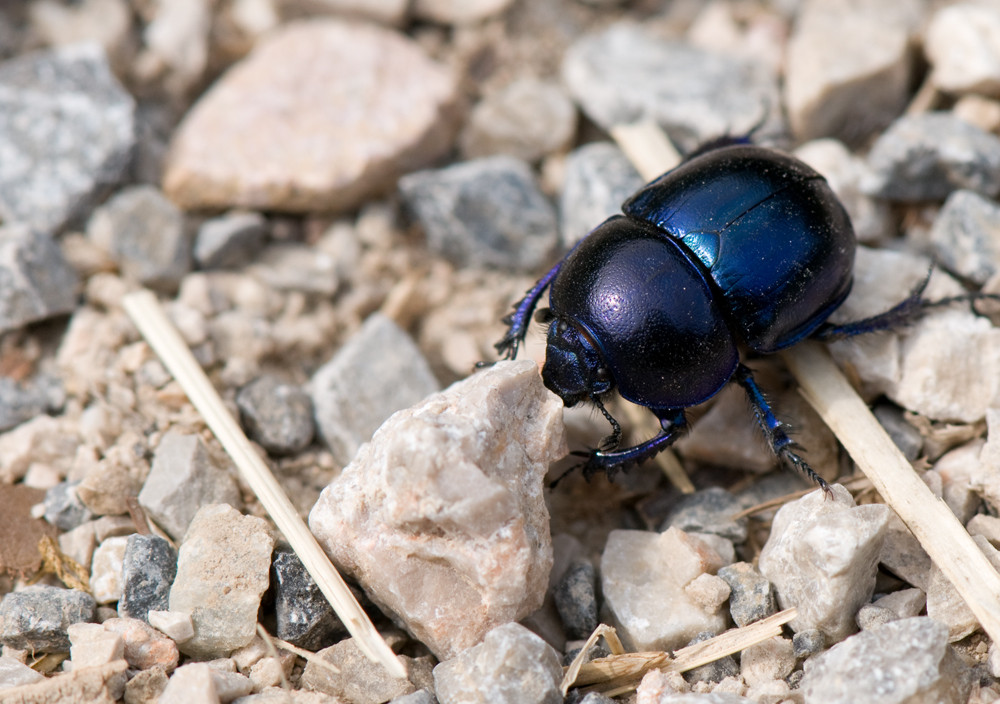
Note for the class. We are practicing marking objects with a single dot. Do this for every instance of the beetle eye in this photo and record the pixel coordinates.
(602, 374)
(544, 315)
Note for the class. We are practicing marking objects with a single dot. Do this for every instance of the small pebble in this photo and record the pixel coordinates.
(292, 266)
(708, 511)
(962, 44)
(772, 659)
(63, 507)
(599, 177)
(13, 673)
(22, 402)
(421, 696)
(36, 282)
(198, 682)
(36, 618)
(944, 604)
(148, 570)
(576, 601)
(752, 597)
(229, 241)
(484, 213)
(715, 671)
(277, 415)
(106, 570)
(808, 642)
(91, 645)
(986, 526)
(965, 237)
(904, 435)
(708, 591)
(146, 686)
(511, 666)
(304, 615)
(467, 12)
(145, 646)
(359, 680)
(177, 625)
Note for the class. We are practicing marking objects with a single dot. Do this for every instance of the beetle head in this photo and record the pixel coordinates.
(574, 368)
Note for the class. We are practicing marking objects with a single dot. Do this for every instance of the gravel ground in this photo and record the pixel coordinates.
(336, 202)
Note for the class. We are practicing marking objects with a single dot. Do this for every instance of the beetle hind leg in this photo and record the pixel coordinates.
(517, 320)
(774, 430)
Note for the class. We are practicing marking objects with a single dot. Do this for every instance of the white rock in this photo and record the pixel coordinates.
(708, 591)
(822, 558)
(957, 469)
(106, 570)
(176, 44)
(946, 606)
(91, 645)
(986, 481)
(962, 43)
(177, 625)
(643, 578)
(768, 660)
(451, 12)
(441, 517)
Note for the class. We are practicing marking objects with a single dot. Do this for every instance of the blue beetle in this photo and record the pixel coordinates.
(740, 246)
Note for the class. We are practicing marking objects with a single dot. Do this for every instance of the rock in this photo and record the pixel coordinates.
(903, 555)
(485, 213)
(808, 642)
(643, 576)
(829, 97)
(946, 606)
(358, 679)
(576, 601)
(903, 434)
(22, 402)
(772, 659)
(148, 570)
(822, 558)
(511, 666)
(107, 22)
(626, 74)
(199, 682)
(468, 12)
(905, 603)
(902, 661)
(222, 571)
(63, 507)
(927, 156)
(279, 416)
(106, 570)
(599, 177)
(965, 237)
(376, 373)
(986, 480)
(92, 646)
(956, 470)
(36, 282)
(36, 618)
(111, 482)
(527, 120)
(13, 673)
(312, 145)
(176, 47)
(146, 686)
(184, 478)
(708, 591)
(291, 266)
(305, 617)
(68, 130)
(986, 526)
(752, 597)
(962, 44)
(421, 696)
(144, 646)
(104, 684)
(229, 241)
(708, 511)
(715, 671)
(175, 624)
(441, 518)
(726, 437)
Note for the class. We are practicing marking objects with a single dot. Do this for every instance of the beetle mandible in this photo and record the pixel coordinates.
(739, 245)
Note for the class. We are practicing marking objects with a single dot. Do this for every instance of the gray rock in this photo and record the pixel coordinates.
(487, 212)
(145, 234)
(708, 511)
(376, 373)
(904, 435)
(903, 661)
(595, 698)
(305, 617)
(826, 579)
(599, 177)
(229, 241)
(22, 402)
(66, 133)
(421, 696)
(946, 606)
(576, 601)
(626, 74)
(360, 680)
(293, 266)
(808, 642)
(752, 597)
(37, 617)
(965, 237)
(36, 282)
(184, 478)
(511, 666)
(277, 415)
(715, 671)
(222, 573)
(927, 156)
(148, 571)
(63, 507)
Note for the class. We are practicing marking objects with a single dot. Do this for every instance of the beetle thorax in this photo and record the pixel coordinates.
(574, 368)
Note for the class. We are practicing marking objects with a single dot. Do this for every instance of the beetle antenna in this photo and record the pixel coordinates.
(612, 441)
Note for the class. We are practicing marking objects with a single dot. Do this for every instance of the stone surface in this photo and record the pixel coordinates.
(184, 478)
(905, 603)
(927, 156)
(148, 570)
(36, 282)
(511, 666)
(20, 402)
(229, 241)
(104, 684)
(902, 661)
(527, 120)
(68, 128)
(848, 68)
(708, 591)
(627, 74)
(312, 145)
(708, 511)
(467, 12)
(146, 686)
(277, 415)
(962, 43)
(37, 617)
(643, 579)
(177, 625)
(175, 46)
(91, 645)
(486, 212)
(13, 673)
(305, 617)
(63, 507)
(358, 679)
(946, 606)
(441, 518)
(292, 266)
(965, 237)
(198, 682)
(376, 373)
(599, 177)
(772, 659)
(822, 558)
(752, 597)
(222, 572)
(576, 601)
(106, 570)
(808, 642)
(144, 646)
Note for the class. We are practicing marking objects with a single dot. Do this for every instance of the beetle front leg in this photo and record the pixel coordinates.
(518, 319)
(673, 423)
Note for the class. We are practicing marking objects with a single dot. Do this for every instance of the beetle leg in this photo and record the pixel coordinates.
(774, 430)
(519, 317)
(611, 442)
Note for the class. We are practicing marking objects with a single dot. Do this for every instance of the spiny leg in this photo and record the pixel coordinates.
(612, 441)
(774, 430)
(518, 319)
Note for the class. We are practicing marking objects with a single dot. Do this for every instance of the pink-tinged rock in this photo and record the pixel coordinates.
(441, 517)
(822, 557)
(321, 115)
(645, 578)
(145, 647)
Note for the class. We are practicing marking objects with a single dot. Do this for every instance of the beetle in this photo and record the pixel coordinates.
(738, 247)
